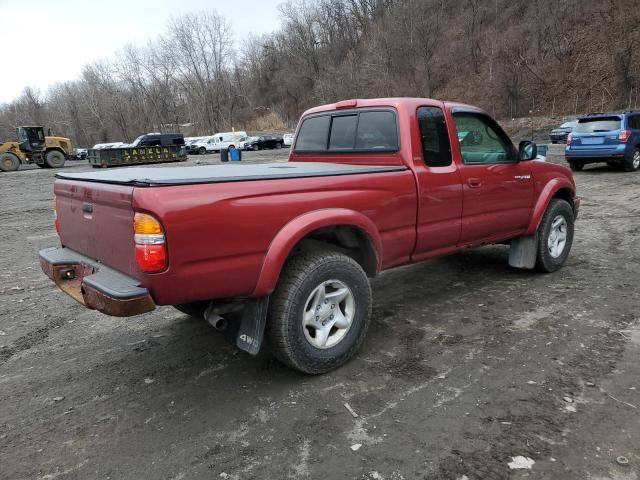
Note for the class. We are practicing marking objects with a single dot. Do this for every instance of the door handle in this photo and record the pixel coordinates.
(474, 182)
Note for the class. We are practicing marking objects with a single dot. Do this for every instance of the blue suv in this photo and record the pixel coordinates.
(613, 138)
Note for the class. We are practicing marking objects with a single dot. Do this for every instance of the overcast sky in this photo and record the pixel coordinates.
(48, 41)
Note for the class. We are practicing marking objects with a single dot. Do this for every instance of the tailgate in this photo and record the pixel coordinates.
(96, 220)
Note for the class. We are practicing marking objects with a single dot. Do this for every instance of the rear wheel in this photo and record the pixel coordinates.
(555, 236)
(576, 166)
(9, 162)
(278, 146)
(54, 159)
(319, 311)
(632, 164)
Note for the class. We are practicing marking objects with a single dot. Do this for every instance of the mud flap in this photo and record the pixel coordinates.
(523, 251)
(254, 319)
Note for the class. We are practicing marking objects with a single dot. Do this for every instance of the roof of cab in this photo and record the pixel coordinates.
(399, 103)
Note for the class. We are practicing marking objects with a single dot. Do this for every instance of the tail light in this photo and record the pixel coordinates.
(569, 138)
(55, 215)
(624, 135)
(151, 250)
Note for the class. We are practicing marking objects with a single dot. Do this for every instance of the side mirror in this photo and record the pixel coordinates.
(527, 150)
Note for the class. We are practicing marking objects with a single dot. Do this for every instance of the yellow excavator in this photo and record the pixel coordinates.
(34, 147)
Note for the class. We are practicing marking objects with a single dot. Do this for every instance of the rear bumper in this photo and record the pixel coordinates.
(593, 155)
(94, 285)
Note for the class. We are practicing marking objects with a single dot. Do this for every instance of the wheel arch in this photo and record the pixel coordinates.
(557, 188)
(57, 148)
(340, 229)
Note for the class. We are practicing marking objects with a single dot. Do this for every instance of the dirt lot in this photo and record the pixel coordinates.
(468, 363)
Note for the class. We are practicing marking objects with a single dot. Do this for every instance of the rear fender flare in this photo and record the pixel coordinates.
(544, 198)
(290, 235)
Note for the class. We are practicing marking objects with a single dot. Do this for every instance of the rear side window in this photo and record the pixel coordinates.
(435, 139)
(349, 131)
(598, 124)
(634, 122)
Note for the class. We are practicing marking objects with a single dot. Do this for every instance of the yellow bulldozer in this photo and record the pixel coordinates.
(34, 147)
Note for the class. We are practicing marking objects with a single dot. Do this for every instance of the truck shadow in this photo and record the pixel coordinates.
(192, 353)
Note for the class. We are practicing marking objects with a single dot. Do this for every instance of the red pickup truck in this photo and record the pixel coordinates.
(290, 247)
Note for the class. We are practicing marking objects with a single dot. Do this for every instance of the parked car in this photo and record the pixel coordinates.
(78, 154)
(287, 139)
(158, 139)
(190, 144)
(560, 134)
(613, 138)
(217, 142)
(370, 185)
(264, 142)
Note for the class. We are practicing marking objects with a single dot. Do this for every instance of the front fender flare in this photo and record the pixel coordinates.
(544, 198)
(294, 231)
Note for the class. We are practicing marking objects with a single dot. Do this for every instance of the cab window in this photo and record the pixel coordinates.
(481, 141)
(434, 137)
(356, 131)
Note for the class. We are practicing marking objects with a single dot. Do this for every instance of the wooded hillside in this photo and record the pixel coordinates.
(511, 57)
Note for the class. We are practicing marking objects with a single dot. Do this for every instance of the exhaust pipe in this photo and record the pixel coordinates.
(213, 311)
(217, 322)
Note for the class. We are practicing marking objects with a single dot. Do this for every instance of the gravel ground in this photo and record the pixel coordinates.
(468, 365)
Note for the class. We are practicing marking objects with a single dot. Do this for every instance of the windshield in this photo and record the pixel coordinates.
(599, 124)
(22, 135)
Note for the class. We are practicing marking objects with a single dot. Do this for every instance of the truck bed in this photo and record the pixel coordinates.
(147, 177)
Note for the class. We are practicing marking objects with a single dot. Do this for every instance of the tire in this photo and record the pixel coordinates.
(278, 146)
(576, 166)
(54, 159)
(632, 164)
(194, 309)
(9, 162)
(202, 151)
(306, 279)
(552, 252)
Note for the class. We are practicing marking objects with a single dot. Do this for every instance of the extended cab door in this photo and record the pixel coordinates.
(439, 185)
(497, 188)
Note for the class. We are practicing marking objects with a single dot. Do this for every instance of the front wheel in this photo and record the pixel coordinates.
(202, 150)
(633, 163)
(319, 312)
(9, 162)
(555, 236)
(54, 159)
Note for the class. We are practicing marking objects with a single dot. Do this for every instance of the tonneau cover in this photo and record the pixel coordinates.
(146, 176)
